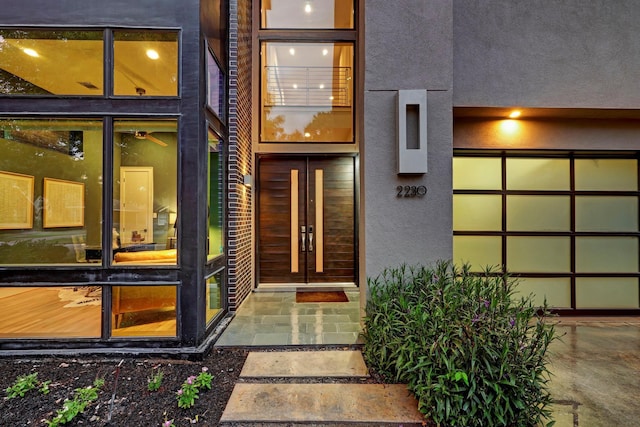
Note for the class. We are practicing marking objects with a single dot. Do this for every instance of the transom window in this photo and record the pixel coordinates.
(327, 14)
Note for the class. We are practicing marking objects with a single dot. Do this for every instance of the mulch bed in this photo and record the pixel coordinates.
(134, 405)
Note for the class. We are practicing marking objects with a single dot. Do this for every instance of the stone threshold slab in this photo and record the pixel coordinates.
(304, 364)
(329, 403)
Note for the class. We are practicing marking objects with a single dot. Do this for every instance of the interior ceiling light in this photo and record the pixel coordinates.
(30, 52)
(152, 54)
(325, 52)
(321, 86)
(292, 51)
(307, 7)
(515, 114)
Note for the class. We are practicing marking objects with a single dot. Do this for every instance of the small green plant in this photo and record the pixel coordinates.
(82, 397)
(155, 381)
(471, 352)
(24, 384)
(190, 390)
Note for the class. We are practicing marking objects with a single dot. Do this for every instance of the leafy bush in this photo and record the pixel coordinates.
(471, 352)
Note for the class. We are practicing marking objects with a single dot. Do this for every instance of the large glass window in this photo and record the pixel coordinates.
(50, 190)
(568, 229)
(215, 238)
(213, 295)
(145, 63)
(50, 312)
(145, 192)
(326, 14)
(43, 62)
(215, 86)
(307, 92)
(143, 311)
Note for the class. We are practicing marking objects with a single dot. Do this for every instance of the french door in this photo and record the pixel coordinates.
(306, 220)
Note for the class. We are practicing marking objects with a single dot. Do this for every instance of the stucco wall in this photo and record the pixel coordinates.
(408, 45)
(546, 53)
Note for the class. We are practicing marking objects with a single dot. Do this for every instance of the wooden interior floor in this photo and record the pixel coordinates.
(41, 313)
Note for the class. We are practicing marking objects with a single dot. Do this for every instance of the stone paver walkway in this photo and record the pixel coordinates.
(313, 402)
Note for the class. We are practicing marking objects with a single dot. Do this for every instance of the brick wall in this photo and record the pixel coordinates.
(240, 263)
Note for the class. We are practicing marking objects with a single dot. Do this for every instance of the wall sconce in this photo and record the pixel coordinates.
(247, 180)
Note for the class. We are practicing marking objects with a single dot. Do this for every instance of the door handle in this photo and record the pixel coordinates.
(311, 238)
(303, 236)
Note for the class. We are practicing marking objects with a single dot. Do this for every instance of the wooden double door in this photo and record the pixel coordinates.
(306, 220)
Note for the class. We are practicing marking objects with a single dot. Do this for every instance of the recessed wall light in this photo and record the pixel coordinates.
(152, 54)
(30, 52)
(515, 114)
(292, 51)
(307, 7)
(307, 134)
(325, 52)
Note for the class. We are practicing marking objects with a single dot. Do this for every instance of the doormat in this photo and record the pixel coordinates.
(332, 296)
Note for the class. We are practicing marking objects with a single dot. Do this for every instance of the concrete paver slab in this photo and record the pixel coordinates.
(334, 403)
(305, 364)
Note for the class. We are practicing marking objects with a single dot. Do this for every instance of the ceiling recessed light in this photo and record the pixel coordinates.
(321, 86)
(307, 7)
(307, 134)
(30, 52)
(331, 97)
(152, 54)
(295, 85)
(292, 51)
(325, 52)
(515, 114)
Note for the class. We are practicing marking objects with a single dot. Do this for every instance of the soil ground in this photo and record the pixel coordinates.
(134, 404)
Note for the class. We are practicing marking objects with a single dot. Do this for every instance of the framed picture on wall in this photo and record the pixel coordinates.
(63, 203)
(16, 201)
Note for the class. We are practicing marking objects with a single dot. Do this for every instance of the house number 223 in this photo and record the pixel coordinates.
(411, 191)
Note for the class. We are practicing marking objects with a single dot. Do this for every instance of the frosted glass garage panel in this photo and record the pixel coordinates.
(606, 213)
(545, 254)
(538, 213)
(607, 292)
(537, 174)
(477, 212)
(556, 290)
(477, 173)
(478, 251)
(606, 174)
(606, 254)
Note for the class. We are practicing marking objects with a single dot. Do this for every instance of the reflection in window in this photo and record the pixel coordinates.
(307, 92)
(28, 312)
(145, 201)
(215, 86)
(213, 295)
(143, 311)
(51, 62)
(145, 63)
(215, 243)
(327, 14)
(50, 191)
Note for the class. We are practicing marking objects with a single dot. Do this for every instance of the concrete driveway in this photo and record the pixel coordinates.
(596, 370)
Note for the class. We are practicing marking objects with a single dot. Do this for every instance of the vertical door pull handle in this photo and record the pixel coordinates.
(303, 236)
(311, 238)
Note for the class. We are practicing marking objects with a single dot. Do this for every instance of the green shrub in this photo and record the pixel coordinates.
(471, 352)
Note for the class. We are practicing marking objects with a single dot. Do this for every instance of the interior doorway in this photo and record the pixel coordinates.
(136, 205)
(306, 220)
